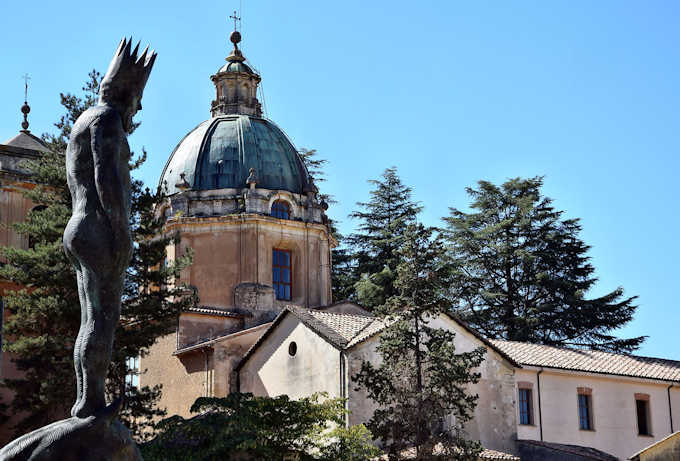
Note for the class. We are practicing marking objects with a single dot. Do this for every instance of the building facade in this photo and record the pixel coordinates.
(15, 180)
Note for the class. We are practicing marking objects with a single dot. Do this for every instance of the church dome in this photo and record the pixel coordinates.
(219, 153)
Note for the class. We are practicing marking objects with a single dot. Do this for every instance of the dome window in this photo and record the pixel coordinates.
(281, 209)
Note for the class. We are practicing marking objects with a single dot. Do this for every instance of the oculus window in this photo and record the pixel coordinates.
(281, 209)
(282, 276)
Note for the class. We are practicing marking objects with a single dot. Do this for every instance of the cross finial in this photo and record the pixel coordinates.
(235, 17)
(26, 79)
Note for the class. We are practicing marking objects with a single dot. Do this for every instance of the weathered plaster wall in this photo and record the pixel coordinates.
(235, 249)
(614, 413)
(272, 371)
(494, 417)
(184, 378)
(668, 449)
(195, 328)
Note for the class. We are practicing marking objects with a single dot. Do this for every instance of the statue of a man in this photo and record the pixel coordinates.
(97, 238)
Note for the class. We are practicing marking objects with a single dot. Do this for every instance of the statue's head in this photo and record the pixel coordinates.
(124, 82)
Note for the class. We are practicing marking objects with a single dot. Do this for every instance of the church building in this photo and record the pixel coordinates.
(242, 200)
(15, 179)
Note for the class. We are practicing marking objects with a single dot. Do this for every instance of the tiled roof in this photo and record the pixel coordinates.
(497, 455)
(216, 311)
(590, 361)
(339, 329)
(26, 140)
(347, 330)
(583, 452)
(491, 455)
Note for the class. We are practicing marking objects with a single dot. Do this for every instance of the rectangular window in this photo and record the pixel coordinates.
(525, 407)
(132, 375)
(282, 274)
(642, 407)
(585, 412)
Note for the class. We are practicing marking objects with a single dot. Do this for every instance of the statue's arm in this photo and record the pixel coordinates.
(106, 137)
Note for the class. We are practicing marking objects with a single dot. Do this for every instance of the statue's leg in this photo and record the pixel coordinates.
(102, 293)
(77, 350)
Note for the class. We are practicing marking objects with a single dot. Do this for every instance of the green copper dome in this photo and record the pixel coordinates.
(236, 66)
(219, 153)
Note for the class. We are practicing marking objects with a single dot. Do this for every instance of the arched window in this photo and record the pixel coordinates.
(281, 209)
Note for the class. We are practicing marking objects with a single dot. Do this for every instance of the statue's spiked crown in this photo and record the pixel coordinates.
(127, 70)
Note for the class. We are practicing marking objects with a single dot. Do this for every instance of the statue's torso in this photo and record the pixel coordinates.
(80, 173)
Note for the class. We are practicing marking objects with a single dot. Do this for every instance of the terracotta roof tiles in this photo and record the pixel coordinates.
(590, 361)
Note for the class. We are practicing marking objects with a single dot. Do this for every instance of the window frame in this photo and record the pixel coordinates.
(280, 282)
(643, 399)
(529, 402)
(284, 207)
(585, 422)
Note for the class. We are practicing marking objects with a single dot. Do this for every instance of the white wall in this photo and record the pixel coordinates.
(493, 422)
(613, 409)
(271, 371)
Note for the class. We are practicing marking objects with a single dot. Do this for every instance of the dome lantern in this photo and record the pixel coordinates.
(236, 85)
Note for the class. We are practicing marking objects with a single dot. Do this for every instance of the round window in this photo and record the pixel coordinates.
(292, 349)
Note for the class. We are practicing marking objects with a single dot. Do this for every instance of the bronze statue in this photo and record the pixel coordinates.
(98, 242)
(97, 238)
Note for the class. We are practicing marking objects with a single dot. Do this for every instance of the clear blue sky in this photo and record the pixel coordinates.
(585, 93)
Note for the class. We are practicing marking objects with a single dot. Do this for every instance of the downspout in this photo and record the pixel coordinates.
(343, 385)
(670, 407)
(207, 381)
(538, 388)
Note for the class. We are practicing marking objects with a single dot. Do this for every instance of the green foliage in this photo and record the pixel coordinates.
(242, 426)
(421, 381)
(349, 444)
(384, 220)
(523, 273)
(45, 309)
(342, 269)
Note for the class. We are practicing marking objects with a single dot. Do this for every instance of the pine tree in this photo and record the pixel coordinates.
(524, 273)
(45, 312)
(421, 381)
(384, 219)
(343, 267)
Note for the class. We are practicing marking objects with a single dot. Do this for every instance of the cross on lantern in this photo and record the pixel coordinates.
(26, 79)
(235, 18)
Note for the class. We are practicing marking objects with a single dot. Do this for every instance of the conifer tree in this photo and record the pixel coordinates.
(421, 381)
(45, 310)
(343, 268)
(384, 219)
(524, 274)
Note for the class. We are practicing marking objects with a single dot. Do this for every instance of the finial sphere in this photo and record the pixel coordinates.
(25, 109)
(235, 37)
